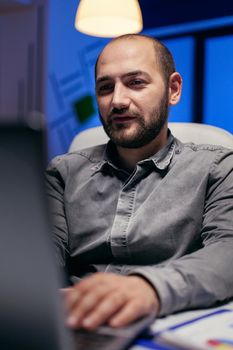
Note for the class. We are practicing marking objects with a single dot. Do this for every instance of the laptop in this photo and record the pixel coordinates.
(31, 316)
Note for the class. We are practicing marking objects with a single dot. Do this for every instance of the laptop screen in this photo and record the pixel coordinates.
(30, 316)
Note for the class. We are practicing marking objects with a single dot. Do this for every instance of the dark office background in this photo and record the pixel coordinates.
(46, 65)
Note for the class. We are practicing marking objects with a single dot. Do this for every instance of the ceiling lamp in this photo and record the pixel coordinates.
(108, 18)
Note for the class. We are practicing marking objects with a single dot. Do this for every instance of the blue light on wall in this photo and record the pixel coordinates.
(70, 104)
(218, 92)
(182, 50)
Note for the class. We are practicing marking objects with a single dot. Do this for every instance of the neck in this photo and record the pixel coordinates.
(129, 157)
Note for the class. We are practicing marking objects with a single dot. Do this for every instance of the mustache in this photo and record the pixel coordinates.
(123, 111)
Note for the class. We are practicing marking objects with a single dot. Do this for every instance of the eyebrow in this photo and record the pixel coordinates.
(129, 74)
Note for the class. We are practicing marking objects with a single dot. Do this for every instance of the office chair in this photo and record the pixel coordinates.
(186, 132)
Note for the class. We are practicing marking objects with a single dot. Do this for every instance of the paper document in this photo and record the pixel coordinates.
(209, 332)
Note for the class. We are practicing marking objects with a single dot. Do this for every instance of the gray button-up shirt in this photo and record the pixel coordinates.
(171, 220)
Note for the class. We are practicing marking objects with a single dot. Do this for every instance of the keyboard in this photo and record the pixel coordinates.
(108, 338)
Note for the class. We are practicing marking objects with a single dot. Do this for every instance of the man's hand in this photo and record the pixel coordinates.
(109, 298)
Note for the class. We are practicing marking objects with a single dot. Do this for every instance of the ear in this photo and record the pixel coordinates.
(175, 88)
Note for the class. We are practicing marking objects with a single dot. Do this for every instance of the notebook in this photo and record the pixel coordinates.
(31, 316)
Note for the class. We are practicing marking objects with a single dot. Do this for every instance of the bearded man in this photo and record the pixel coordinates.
(143, 223)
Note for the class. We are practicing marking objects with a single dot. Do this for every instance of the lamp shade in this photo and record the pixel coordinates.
(108, 18)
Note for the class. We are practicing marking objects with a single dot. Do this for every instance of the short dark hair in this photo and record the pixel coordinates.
(163, 55)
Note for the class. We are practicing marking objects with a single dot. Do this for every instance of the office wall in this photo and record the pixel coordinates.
(22, 58)
(71, 105)
(218, 88)
(204, 52)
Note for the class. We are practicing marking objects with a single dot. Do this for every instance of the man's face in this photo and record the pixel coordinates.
(131, 93)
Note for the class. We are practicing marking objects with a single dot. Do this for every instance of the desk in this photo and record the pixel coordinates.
(164, 323)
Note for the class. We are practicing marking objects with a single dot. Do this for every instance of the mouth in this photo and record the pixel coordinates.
(122, 119)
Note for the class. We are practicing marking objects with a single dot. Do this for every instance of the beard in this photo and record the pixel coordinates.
(144, 131)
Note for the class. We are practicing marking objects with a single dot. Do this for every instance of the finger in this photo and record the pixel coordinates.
(70, 296)
(73, 295)
(104, 310)
(64, 291)
(131, 312)
(85, 303)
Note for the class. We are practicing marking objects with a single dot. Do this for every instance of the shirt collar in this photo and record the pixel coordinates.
(161, 159)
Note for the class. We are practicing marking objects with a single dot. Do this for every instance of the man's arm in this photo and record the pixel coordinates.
(204, 277)
(55, 190)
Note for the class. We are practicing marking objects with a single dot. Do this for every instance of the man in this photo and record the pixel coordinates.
(145, 223)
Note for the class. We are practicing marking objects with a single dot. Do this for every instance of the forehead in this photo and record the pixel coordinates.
(122, 56)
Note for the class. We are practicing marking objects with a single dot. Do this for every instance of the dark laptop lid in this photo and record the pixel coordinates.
(30, 316)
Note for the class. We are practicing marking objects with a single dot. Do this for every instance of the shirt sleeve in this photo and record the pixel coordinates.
(204, 277)
(55, 191)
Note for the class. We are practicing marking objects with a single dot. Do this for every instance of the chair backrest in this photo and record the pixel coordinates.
(186, 132)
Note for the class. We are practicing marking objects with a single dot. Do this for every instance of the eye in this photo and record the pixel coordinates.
(136, 83)
(105, 88)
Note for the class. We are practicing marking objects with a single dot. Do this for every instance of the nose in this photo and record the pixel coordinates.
(120, 97)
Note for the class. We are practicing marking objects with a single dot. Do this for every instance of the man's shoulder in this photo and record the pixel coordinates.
(79, 158)
(205, 155)
(206, 149)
